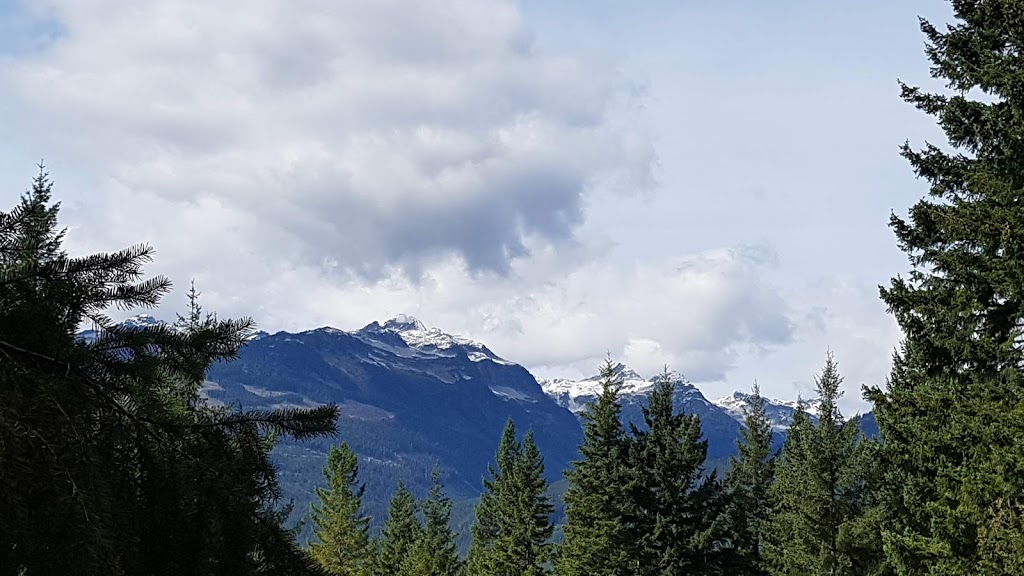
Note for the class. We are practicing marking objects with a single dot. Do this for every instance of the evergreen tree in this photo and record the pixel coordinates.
(822, 499)
(436, 553)
(750, 475)
(682, 523)
(950, 416)
(112, 464)
(513, 519)
(597, 512)
(789, 540)
(342, 546)
(401, 532)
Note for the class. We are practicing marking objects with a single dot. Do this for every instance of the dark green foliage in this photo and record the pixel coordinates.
(342, 545)
(110, 462)
(950, 415)
(681, 522)
(823, 514)
(436, 551)
(401, 532)
(596, 540)
(748, 480)
(513, 519)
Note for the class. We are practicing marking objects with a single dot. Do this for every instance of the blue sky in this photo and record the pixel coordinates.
(702, 184)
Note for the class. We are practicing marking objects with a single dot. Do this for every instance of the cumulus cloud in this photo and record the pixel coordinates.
(699, 314)
(842, 314)
(334, 162)
(359, 134)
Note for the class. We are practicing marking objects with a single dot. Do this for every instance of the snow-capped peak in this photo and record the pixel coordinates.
(779, 412)
(404, 323)
(415, 333)
(632, 384)
(141, 321)
(429, 340)
(620, 370)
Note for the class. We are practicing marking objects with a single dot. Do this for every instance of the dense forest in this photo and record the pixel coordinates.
(111, 462)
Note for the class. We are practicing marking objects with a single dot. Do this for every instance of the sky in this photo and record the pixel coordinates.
(703, 185)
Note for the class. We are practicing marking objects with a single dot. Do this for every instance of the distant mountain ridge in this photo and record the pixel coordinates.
(718, 425)
(780, 412)
(413, 397)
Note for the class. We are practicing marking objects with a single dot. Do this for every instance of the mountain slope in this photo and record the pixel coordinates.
(410, 398)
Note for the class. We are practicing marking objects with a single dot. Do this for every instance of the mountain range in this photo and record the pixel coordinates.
(412, 398)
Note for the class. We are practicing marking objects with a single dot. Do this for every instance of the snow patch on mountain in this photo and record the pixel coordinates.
(141, 321)
(510, 393)
(632, 385)
(780, 412)
(263, 392)
(577, 394)
(416, 336)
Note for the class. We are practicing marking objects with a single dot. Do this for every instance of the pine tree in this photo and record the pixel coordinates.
(342, 543)
(112, 464)
(513, 519)
(597, 504)
(534, 543)
(401, 532)
(436, 553)
(821, 498)
(950, 415)
(789, 540)
(750, 475)
(682, 525)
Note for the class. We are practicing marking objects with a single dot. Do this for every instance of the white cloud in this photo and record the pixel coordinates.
(361, 133)
(699, 314)
(841, 314)
(338, 162)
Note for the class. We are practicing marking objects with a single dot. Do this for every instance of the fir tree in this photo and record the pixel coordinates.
(597, 512)
(342, 543)
(750, 475)
(436, 552)
(821, 498)
(513, 519)
(950, 415)
(401, 532)
(112, 464)
(682, 525)
(534, 546)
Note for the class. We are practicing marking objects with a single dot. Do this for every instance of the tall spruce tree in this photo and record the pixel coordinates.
(822, 498)
(951, 414)
(112, 464)
(512, 531)
(597, 501)
(341, 531)
(681, 516)
(436, 552)
(401, 531)
(790, 537)
(750, 475)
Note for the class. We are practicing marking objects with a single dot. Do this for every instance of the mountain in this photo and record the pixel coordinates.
(410, 397)
(139, 321)
(779, 412)
(719, 427)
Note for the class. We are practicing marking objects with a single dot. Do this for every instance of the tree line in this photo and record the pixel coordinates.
(111, 464)
(639, 502)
